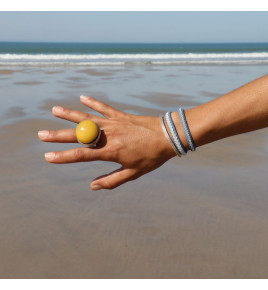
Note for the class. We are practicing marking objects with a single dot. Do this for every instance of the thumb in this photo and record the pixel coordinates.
(113, 179)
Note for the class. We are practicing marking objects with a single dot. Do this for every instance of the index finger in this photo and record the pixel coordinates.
(75, 116)
(101, 107)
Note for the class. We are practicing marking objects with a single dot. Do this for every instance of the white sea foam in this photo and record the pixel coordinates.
(9, 56)
(133, 59)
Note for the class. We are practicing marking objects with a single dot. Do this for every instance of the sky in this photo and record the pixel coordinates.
(134, 26)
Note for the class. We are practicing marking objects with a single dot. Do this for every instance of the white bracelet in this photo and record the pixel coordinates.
(167, 136)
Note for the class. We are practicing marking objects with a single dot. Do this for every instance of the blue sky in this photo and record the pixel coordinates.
(134, 26)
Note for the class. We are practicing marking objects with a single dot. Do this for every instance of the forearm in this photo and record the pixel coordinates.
(242, 110)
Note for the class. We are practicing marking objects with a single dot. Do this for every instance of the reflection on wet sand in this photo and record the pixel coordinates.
(6, 71)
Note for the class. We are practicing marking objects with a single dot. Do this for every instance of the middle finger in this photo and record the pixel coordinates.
(59, 136)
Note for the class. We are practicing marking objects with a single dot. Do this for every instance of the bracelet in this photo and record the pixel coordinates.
(174, 134)
(186, 129)
(167, 136)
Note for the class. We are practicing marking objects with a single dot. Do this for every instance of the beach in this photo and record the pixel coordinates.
(201, 216)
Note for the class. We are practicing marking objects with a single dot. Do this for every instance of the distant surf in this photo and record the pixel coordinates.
(64, 54)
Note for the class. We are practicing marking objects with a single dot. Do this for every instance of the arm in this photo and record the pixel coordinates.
(138, 142)
(242, 110)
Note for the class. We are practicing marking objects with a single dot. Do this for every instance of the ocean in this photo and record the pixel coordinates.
(121, 54)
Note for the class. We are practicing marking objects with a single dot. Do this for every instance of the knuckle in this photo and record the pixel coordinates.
(56, 157)
(65, 111)
(114, 151)
(79, 154)
(51, 134)
(108, 185)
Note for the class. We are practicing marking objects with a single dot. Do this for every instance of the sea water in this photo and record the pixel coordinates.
(121, 54)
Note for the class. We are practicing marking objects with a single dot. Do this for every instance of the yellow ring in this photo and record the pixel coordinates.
(87, 133)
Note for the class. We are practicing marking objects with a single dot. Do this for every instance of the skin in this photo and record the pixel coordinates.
(138, 143)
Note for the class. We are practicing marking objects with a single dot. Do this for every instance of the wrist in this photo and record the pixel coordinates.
(201, 123)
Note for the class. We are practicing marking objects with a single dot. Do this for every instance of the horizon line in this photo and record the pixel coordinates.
(131, 42)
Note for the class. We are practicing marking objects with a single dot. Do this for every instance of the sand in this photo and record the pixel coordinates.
(202, 216)
(6, 71)
(94, 72)
(32, 83)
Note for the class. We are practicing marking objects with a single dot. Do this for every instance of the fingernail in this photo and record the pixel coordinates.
(84, 98)
(43, 134)
(57, 109)
(96, 187)
(50, 156)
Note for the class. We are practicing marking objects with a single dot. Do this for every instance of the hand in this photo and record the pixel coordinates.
(136, 142)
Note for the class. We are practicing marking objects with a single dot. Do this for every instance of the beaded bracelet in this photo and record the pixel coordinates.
(167, 136)
(186, 130)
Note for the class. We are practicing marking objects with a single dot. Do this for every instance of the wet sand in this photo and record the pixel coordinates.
(6, 72)
(94, 72)
(202, 216)
(32, 83)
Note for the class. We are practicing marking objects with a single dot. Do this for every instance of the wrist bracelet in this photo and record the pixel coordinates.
(174, 134)
(186, 129)
(167, 136)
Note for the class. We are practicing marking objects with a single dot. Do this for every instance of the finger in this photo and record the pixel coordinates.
(75, 155)
(113, 179)
(100, 107)
(59, 136)
(75, 116)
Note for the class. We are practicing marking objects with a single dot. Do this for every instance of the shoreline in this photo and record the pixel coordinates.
(132, 65)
